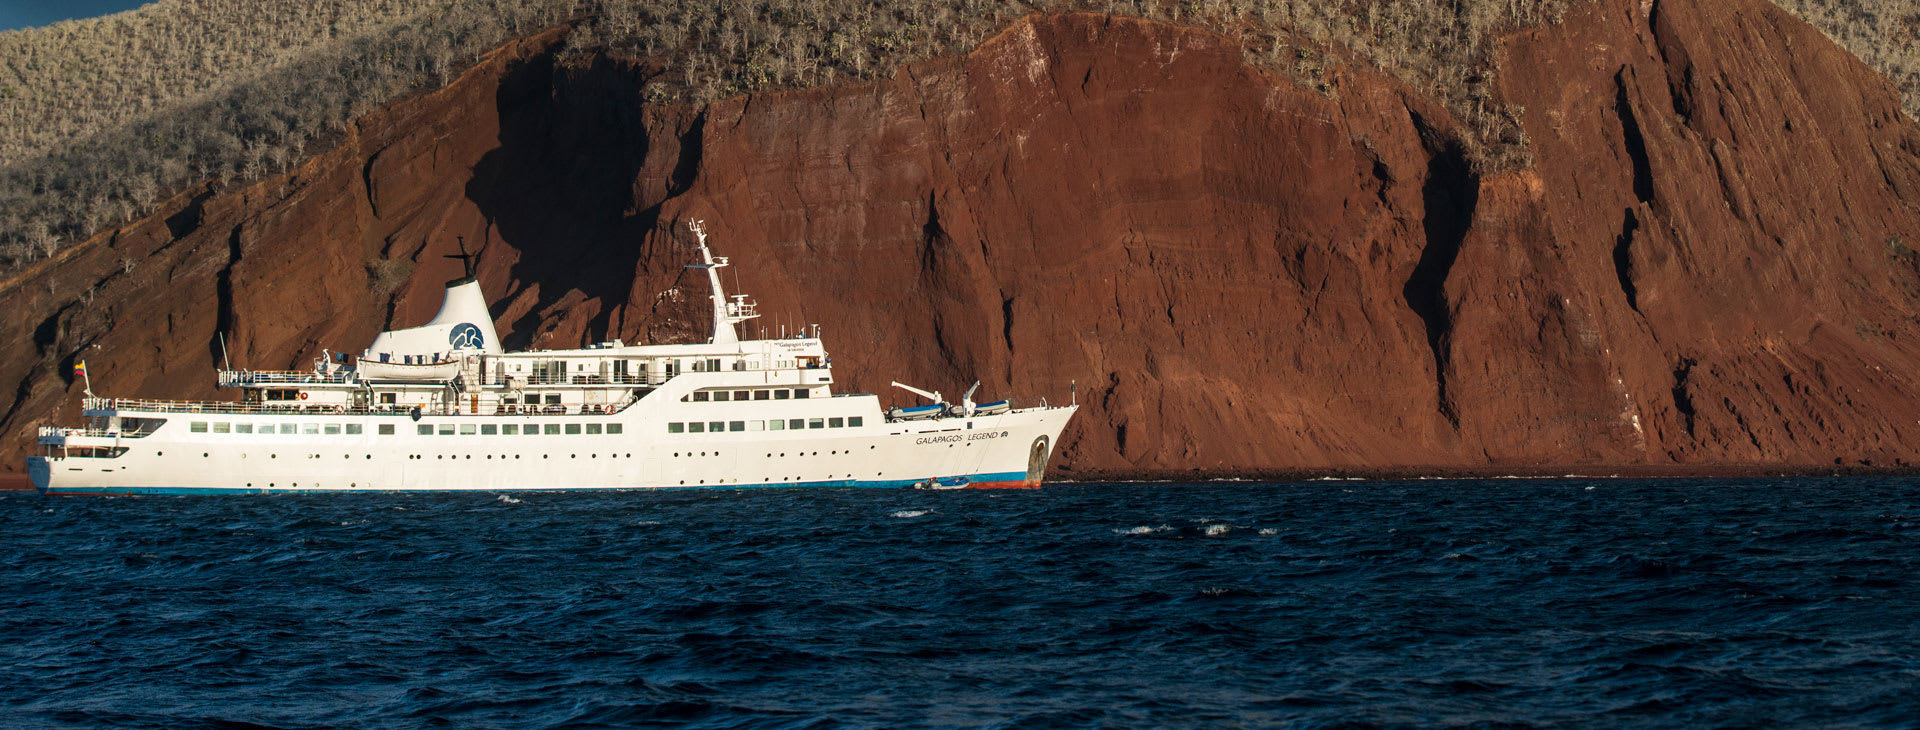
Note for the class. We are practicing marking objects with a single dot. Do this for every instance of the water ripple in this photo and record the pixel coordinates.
(1499, 603)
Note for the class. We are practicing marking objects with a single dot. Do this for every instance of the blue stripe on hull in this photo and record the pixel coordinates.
(1011, 476)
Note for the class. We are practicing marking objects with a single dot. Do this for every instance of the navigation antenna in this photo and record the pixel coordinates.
(466, 259)
(725, 313)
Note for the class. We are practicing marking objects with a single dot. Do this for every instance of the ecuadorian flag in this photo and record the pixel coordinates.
(80, 369)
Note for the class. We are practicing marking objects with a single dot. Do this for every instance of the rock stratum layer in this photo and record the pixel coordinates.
(1708, 267)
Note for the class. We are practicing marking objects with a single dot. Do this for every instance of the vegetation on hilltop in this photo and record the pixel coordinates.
(1883, 33)
(144, 104)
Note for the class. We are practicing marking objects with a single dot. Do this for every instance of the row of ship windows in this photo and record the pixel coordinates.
(790, 424)
(514, 429)
(703, 396)
(424, 429)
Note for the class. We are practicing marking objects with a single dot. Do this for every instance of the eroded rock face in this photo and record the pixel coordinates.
(1708, 265)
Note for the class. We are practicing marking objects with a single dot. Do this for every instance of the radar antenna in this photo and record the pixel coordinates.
(466, 259)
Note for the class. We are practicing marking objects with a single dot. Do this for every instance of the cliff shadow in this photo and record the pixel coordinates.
(559, 188)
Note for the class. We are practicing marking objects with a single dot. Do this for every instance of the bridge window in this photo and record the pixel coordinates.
(854, 421)
(762, 394)
(309, 429)
(736, 425)
(197, 427)
(222, 427)
(593, 429)
(776, 425)
(468, 429)
(553, 429)
(676, 427)
(720, 396)
(796, 424)
(716, 426)
(573, 429)
(333, 429)
(446, 429)
(511, 429)
(799, 393)
(425, 430)
(697, 427)
(614, 429)
(286, 428)
(816, 423)
(243, 428)
(780, 394)
(386, 429)
(353, 429)
(835, 422)
(489, 430)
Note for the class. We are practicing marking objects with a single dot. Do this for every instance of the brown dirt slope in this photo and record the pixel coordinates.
(1709, 265)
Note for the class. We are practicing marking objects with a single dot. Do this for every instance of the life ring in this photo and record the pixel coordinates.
(610, 410)
(303, 395)
(339, 409)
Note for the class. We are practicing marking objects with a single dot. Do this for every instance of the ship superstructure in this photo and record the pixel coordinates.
(443, 406)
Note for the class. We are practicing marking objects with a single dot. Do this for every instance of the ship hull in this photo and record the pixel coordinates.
(391, 454)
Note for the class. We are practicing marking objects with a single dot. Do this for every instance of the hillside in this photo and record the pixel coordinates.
(101, 119)
(1605, 234)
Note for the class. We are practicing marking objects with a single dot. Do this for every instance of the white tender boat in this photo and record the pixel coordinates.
(442, 407)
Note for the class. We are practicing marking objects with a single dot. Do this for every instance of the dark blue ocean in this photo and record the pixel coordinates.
(1503, 603)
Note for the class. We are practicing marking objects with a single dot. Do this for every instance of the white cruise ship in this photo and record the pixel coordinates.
(443, 407)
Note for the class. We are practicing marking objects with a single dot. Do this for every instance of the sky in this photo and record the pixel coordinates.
(15, 14)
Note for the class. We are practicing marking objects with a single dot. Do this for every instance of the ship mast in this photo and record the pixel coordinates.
(725, 313)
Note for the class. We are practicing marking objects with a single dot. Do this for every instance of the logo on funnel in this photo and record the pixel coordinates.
(466, 336)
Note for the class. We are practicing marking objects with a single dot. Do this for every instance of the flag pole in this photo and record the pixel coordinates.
(86, 378)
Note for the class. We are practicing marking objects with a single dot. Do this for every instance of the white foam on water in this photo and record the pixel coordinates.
(1268, 532)
(508, 499)
(907, 514)
(1218, 528)
(1142, 530)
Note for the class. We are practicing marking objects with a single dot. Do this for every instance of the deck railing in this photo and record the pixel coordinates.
(232, 408)
(230, 378)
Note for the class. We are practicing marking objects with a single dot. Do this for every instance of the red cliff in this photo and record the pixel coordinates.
(1707, 267)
